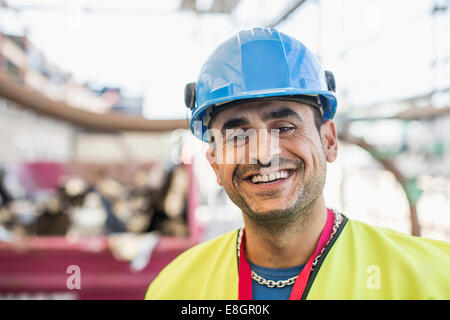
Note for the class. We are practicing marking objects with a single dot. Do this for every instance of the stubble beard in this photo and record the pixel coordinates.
(279, 221)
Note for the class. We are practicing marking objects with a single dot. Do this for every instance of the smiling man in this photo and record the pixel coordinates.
(265, 107)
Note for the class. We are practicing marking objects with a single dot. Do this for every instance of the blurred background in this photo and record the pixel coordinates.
(97, 169)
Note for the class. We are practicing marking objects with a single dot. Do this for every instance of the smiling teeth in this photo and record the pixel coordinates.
(271, 177)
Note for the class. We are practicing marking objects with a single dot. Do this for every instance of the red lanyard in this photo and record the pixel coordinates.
(245, 278)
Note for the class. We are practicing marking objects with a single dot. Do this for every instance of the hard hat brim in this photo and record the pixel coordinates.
(199, 126)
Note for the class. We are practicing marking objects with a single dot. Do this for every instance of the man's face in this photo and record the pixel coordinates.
(272, 176)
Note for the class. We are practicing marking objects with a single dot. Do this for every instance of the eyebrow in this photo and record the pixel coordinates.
(283, 112)
(280, 113)
(234, 123)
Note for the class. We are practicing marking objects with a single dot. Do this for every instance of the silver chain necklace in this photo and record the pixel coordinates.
(338, 218)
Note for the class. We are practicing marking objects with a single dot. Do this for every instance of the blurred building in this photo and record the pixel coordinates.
(23, 63)
(120, 102)
(29, 136)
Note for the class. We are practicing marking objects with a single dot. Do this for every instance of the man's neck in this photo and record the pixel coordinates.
(289, 247)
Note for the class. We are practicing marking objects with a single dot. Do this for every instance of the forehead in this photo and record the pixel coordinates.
(258, 110)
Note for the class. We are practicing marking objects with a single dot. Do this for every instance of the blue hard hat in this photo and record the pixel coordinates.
(254, 64)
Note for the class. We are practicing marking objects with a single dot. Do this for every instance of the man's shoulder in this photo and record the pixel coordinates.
(371, 262)
(197, 262)
(215, 245)
(205, 250)
(396, 240)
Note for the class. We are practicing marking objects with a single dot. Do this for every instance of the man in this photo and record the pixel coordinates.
(265, 106)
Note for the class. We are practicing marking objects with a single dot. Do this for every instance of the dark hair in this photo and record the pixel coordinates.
(318, 118)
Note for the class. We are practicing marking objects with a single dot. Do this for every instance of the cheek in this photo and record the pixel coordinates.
(303, 146)
(226, 174)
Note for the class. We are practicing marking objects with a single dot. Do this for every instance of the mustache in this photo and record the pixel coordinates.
(244, 169)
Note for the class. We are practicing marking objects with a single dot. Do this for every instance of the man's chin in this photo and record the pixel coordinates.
(271, 213)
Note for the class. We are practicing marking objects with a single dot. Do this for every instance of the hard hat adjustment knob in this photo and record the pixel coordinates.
(189, 95)
(330, 81)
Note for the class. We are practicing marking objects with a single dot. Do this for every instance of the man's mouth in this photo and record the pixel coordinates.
(268, 178)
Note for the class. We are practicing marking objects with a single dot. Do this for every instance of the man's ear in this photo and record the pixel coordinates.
(329, 140)
(211, 157)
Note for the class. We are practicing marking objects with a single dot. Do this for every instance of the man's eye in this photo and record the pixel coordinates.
(236, 137)
(286, 129)
(237, 140)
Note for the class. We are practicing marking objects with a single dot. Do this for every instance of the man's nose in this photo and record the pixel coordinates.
(267, 149)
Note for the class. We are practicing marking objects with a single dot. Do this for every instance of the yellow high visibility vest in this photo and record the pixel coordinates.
(362, 262)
